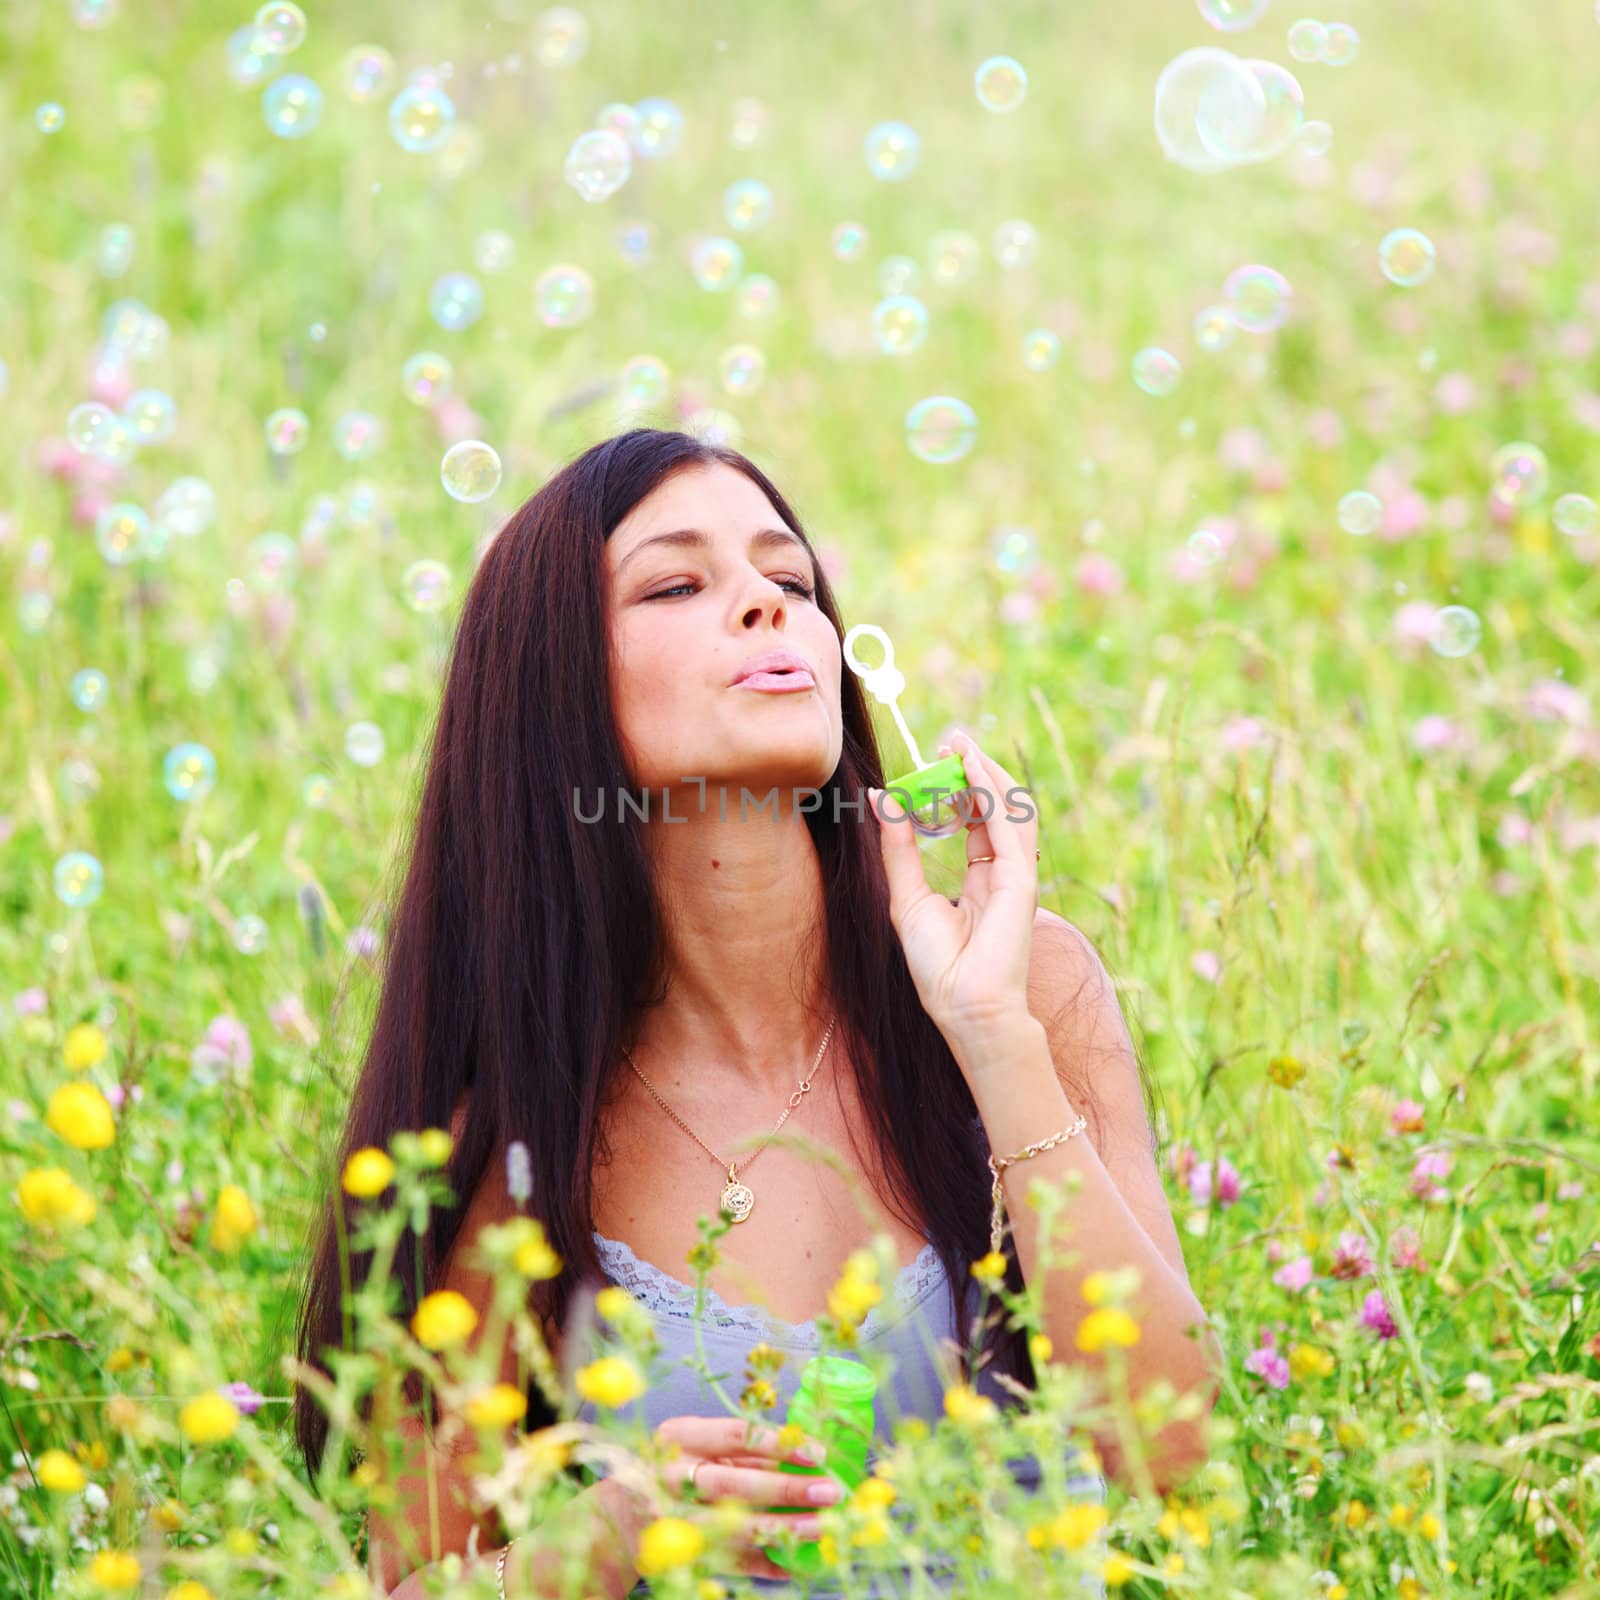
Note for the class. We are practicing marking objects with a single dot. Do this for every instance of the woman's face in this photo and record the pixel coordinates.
(688, 614)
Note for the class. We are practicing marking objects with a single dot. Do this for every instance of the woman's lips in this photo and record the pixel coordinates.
(778, 682)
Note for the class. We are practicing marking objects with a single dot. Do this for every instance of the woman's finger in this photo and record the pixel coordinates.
(902, 861)
(730, 1436)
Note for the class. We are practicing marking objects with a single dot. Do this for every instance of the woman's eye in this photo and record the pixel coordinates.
(795, 585)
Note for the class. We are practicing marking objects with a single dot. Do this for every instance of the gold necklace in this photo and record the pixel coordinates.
(737, 1196)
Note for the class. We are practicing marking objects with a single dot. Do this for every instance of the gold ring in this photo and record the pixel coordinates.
(693, 1491)
(973, 861)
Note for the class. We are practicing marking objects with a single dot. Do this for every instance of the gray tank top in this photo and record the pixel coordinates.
(913, 1325)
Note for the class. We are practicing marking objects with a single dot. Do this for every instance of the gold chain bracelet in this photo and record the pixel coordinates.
(500, 1569)
(1027, 1152)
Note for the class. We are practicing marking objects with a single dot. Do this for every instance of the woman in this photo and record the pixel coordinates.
(636, 997)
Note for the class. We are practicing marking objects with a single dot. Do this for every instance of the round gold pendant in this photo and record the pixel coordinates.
(738, 1199)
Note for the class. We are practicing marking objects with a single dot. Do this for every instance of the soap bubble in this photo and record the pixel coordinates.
(561, 37)
(1214, 328)
(716, 264)
(1519, 474)
(598, 164)
(247, 66)
(89, 427)
(898, 275)
(79, 878)
(1258, 298)
(756, 297)
(366, 72)
(1456, 631)
(1001, 83)
(94, 13)
(1156, 371)
(1015, 549)
(848, 241)
(747, 205)
(1016, 244)
(121, 532)
(425, 585)
(1232, 16)
(563, 295)
(189, 772)
(456, 301)
(421, 117)
(660, 128)
(363, 743)
(1576, 515)
(250, 934)
(941, 428)
(635, 240)
(1341, 44)
(1407, 257)
(1305, 39)
(892, 150)
(750, 122)
(186, 507)
(470, 471)
(274, 560)
(287, 431)
(742, 368)
(115, 254)
(900, 324)
(644, 382)
(357, 434)
(954, 256)
(89, 689)
(1316, 138)
(1235, 133)
(493, 251)
(1226, 88)
(152, 414)
(426, 378)
(280, 28)
(292, 105)
(316, 790)
(1041, 349)
(50, 117)
(1360, 512)
(617, 116)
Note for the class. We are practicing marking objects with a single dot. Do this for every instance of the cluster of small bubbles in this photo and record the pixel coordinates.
(152, 414)
(470, 471)
(292, 105)
(51, 117)
(941, 429)
(1456, 631)
(425, 585)
(1360, 512)
(1001, 83)
(1015, 549)
(1316, 138)
(1576, 515)
(131, 329)
(287, 431)
(186, 507)
(357, 434)
(659, 130)
(1407, 257)
(598, 164)
(742, 368)
(316, 790)
(1305, 39)
(456, 301)
(1041, 349)
(747, 204)
(1156, 371)
(757, 297)
(363, 743)
(280, 28)
(751, 119)
(900, 324)
(1519, 474)
(274, 559)
(426, 378)
(94, 13)
(563, 295)
(643, 382)
(1232, 16)
(493, 251)
(848, 241)
(892, 150)
(716, 263)
(1341, 44)
(1016, 244)
(121, 532)
(115, 253)
(617, 116)
(249, 934)
(247, 66)
(1257, 298)
(366, 72)
(89, 689)
(561, 37)
(1214, 328)
(421, 117)
(189, 771)
(898, 275)
(79, 878)
(1207, 87)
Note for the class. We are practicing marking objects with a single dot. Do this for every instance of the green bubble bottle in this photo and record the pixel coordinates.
(836, 1402)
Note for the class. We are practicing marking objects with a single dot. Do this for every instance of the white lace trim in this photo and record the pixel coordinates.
(660, 1292)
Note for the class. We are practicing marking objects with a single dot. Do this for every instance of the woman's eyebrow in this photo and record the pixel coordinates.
(696, 539)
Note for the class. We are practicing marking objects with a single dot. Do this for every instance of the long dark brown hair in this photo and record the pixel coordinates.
(523, 942)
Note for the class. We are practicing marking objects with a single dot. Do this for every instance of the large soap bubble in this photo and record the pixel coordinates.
(1230, 95)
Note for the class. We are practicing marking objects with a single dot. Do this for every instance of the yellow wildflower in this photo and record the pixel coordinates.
(1096, 1287)
(208, 1419)
(497, 1407)
(49, 1197)
(874, 1531)
(667, 1543)
(1040, 1348)
(857, 1290)
(1116, 1570)
(241, 1542)
(443, 1319)
(614, 1303)
(1195, 1525)
(1355, 1515)
(368, 1173)
(120, 1359)
(81, 1115)
(1173, 1565)
(235, 1219)
(610, 1381)
(531, 1252)
(84, 1047)
(434, 1146)
(1286, 1071)
(962, 1403)
(873, 1494)
(1409, 1589)
(1429, 1527)
(1400, 1516)
(1072, 1527)
(710, 1589)
(188, 1589)
(115, 1569)
(1309, 1360)
(59, 1473)
(1107, 1325)
(989, 1270)
(759, 1394)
